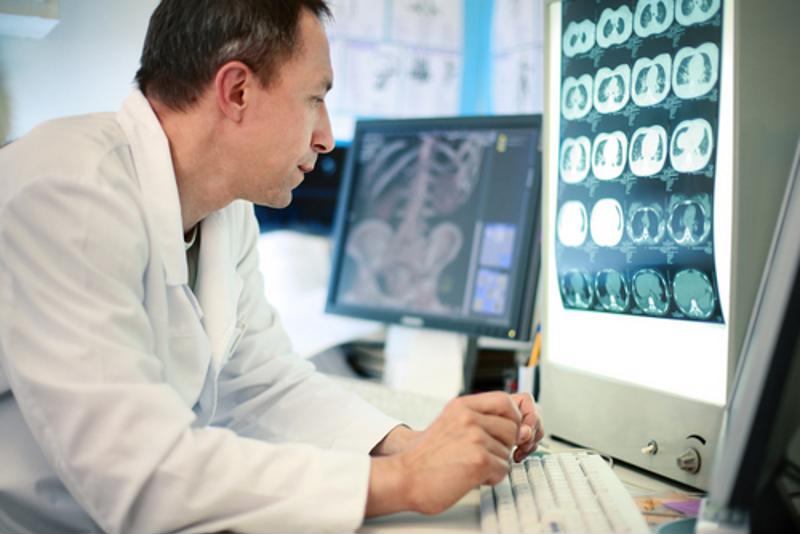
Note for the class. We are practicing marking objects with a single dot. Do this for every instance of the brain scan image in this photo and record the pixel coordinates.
(576, 97)
(607, 222)
(695, 70)
(609, 154)
(688, 12)
(578, 38)
(611, 290)
(689, 222)
(574, 164)
(694, 294)
(646, 224)
(573, 224)
(576, 289)
(648, 150)
(650, 292)
(611, 88)
(653, 16)
(650, 81)
(614, 26)
(691, 145)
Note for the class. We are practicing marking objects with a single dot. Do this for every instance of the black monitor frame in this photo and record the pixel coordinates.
(523, 301)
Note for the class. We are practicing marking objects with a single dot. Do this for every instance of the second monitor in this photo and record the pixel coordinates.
(437, 227)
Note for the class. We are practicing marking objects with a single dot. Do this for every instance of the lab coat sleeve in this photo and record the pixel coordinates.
(267, 391)
(77, 349)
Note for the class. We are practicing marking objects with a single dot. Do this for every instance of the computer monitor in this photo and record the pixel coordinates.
(437, 232)
(754, 474)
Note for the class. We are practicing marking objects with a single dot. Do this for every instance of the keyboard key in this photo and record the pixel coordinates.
(488, 513)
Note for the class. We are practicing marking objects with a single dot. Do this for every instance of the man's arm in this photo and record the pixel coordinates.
(80, 353)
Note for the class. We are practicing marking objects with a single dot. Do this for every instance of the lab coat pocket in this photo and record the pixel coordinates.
(189, 358)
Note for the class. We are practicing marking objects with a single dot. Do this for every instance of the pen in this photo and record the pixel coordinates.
(537, 347)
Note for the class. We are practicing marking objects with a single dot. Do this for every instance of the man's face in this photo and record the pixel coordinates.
(288, 125)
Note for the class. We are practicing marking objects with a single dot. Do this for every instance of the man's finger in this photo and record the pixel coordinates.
(525, 434)
(493, 403)
(497, 448)
(498, 471)
(500, 428)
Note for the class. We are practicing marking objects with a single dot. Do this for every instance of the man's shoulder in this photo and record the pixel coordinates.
(78, 136)
(82, 148)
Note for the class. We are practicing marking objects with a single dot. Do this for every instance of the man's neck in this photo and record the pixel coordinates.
(194, 148)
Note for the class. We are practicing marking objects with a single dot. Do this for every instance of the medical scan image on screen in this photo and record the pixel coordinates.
(638, 130)
(436, 221)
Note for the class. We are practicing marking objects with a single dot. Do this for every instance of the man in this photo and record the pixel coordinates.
(145, 383)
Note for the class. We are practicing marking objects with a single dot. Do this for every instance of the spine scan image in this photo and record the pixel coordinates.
(402, 246)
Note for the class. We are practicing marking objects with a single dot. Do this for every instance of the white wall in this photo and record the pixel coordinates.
(85, 64)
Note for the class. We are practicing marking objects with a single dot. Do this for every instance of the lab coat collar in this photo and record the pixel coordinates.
(156, 174)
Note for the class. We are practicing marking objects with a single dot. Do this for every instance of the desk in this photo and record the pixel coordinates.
(461, 517)
(464, 516)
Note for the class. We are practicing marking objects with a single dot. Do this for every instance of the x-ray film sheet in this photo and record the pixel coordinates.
(638, 134)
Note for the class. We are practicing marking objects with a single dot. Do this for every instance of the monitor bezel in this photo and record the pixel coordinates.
(751, 439)
(522, 306)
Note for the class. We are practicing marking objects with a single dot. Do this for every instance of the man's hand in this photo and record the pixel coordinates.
(467, 445)
(531, 430)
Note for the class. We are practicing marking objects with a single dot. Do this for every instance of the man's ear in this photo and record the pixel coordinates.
(232, 83)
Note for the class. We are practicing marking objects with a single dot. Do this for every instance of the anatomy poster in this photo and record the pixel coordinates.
(395, 58)
(640, 82)
(517, 58)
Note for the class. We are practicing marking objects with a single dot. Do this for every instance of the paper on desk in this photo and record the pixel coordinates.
(688, 507)
(296, 268)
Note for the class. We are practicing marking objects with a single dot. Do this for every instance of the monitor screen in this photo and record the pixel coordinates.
(437, 224)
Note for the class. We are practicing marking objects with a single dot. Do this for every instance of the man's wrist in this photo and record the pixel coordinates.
(389, 484)
(396, 440)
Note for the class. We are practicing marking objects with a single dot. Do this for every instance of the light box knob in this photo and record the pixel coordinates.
(689, 460)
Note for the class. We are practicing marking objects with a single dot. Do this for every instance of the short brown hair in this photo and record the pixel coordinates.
(189, 40)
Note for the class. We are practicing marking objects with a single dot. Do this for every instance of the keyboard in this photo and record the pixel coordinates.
(563, 492)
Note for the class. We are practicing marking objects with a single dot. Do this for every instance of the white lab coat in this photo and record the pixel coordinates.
(129, 405)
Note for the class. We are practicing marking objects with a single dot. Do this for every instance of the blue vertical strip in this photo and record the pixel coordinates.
(476, 88)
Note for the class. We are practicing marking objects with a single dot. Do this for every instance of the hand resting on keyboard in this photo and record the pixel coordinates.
(468, 444)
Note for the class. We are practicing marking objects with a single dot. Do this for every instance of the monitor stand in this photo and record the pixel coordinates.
(436, 363)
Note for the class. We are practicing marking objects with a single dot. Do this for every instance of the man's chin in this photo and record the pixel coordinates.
(275, 202)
